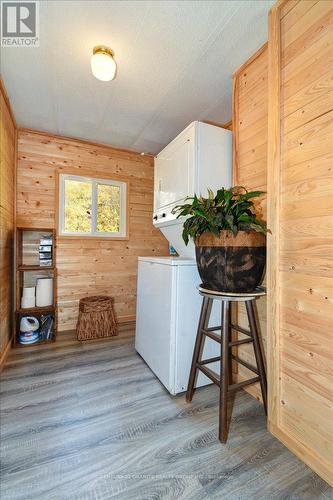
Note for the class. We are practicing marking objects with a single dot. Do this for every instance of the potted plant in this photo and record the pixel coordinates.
(230, 240)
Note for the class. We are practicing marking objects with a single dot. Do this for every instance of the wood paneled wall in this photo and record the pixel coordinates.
(7, 217)
(250, 122)
(88, 266)
(300, 272)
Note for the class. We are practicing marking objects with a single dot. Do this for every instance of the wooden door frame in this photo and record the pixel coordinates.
(273, 210)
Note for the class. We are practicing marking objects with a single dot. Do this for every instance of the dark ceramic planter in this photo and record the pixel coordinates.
(231, 263)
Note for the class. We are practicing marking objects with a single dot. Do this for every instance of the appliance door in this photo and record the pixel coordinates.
(154, 318)
(174, 172)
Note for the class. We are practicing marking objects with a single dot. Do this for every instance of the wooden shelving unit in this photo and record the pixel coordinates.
(36, 310)
(35, 268)
(28, 270)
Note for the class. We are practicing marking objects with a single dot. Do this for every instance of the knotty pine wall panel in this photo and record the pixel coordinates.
(300, 348)
(250, 108)
(88, 266)
(7, 217)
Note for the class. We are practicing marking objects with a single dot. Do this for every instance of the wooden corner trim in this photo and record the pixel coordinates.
(7, 101)
(250, 60)
(5, 354)
(273, 183)
(227, 125)
(235, 130)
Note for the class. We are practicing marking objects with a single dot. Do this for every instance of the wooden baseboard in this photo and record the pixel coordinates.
(127, 328)
(4, 354)
(126, 319)
(126, 325)
(316, 463)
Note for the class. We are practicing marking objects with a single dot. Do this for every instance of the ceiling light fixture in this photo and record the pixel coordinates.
(103, 65)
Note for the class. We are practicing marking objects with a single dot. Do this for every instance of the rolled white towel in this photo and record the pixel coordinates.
(28, 302)
(44, 292)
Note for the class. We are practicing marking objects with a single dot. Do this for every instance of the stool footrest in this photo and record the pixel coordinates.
(209, 373)
(239, 342)
(212, 335)
(234, 387)
(245, 363)
(209, 360)
(240, 330)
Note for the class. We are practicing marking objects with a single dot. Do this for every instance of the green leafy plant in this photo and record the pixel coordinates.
(230, 209)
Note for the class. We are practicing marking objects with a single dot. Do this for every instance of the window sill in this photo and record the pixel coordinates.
(92, 237)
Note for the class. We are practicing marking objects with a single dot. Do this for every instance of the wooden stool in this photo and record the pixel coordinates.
(96, 318)
(224, 381)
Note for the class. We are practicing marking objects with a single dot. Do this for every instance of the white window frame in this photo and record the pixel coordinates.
(122, 233)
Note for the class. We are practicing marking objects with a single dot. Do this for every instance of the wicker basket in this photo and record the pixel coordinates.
(96, 318)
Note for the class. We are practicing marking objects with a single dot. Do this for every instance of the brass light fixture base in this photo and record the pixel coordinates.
(103, 49)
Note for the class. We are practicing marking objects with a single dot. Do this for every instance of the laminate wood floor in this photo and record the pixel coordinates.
(91, 421)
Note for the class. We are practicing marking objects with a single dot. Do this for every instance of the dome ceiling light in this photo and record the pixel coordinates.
(103, 65)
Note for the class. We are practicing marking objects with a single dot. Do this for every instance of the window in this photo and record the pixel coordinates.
(92, 207)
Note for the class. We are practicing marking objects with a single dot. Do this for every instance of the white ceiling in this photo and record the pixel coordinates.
(175, 61)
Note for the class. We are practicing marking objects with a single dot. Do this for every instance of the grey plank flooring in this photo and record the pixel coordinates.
(91, 421)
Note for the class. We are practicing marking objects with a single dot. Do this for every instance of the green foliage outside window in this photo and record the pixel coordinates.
(78, 204)
(108, 208)
(78, 207)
